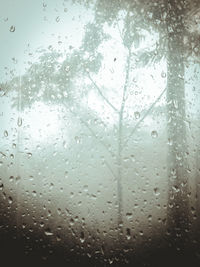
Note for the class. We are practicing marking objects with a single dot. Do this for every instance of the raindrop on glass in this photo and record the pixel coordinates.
(57, 19)
(156, 191)
(12, 28)
(136, 115)
(48, 232)
(29, 155)
(82, 237)
(154, 134)
(128, 233)
(163, 74)
(10, 200)
(11, 178)
(129, 216)
(19, 121)
(77, 139)
(14, 145)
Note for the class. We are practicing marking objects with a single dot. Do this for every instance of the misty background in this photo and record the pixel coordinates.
(99, 125)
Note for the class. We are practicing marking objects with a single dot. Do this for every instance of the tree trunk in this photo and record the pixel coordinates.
(119, 177)
(177, 175)
(120, 147)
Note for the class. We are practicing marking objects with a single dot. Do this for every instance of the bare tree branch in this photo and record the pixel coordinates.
(91, 131)
(143, 117)
(111, 170)
(99, 91)
(126, 81)
(119, 31)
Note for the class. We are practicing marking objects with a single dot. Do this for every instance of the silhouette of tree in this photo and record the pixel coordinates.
(177, 44)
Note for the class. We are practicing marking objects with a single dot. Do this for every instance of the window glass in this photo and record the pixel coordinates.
(99, 126)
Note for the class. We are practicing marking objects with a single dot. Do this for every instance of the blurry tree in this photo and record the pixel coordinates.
(178, 43)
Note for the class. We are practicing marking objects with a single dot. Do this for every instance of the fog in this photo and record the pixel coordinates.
(99, 126)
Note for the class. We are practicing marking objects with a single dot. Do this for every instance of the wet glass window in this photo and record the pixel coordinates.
(100, 132)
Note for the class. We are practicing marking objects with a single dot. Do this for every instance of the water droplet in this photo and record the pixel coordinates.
(29, 155)
(77, 139)
(10, 200)
(48, 232)
(154, 134)
(176, 189)
(141, 233)
(57, 19)
(156, 191)
(163, 74)
(58, 238)
(65, 144)
(5, 133)
(14, 145)
(82, 237)
(11, 178)
(136, 115)
(129, 215)
(128, 233)
(34, 193)
(19, 121)
(170, 142)
(192, 210)
(132, 158)
(93, 196)
(85, 188)
(178, 156)
(126, 159)
(51, 186)
(12, 28)
(110, 260)
(30, 178)
(71, 221)
(67, 68)
(18, 178)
